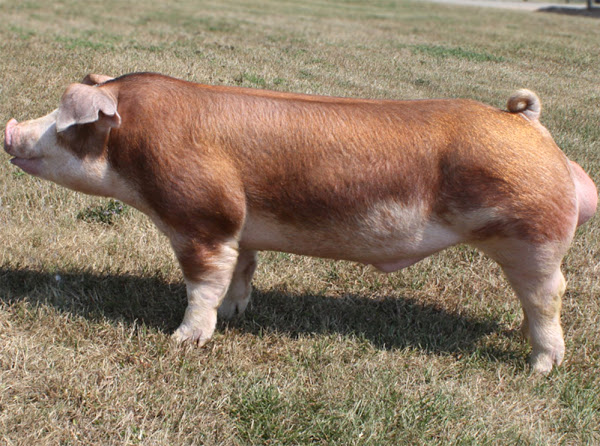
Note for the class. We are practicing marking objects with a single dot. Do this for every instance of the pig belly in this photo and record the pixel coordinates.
(388, 245)
(395, 266)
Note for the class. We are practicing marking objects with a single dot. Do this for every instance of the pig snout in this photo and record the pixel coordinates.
(14, 145)
(9, 134)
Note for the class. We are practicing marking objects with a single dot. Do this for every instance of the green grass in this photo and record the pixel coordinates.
(443, 52)
(328, 352)
(106, 213)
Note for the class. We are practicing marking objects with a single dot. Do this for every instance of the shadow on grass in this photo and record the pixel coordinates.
(389, 323)
(593, 13)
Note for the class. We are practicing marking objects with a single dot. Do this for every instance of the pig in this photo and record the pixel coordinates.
(225, 172)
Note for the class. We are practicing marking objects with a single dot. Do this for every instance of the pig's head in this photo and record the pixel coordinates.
(68, 146)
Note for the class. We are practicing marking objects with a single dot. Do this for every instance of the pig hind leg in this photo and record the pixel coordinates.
(533, 270)
(238, 296)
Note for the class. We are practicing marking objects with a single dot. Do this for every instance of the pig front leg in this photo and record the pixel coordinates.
(240, 290)
(207, 270)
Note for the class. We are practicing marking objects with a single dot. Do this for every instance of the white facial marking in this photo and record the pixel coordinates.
(37, 151)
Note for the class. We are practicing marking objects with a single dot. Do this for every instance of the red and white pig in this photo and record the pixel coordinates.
(225, 172)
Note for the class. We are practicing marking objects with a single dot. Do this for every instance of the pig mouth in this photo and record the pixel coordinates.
(28, 165)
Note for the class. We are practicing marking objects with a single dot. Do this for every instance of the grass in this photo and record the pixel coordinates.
(328, 352)
(106, 213)
(457, 53)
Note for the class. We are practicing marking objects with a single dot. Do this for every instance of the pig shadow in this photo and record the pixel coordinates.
(388, 323)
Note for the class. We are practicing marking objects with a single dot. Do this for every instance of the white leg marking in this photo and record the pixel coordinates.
(534, 273)
(541, 305)
(240, 290)
(204, 297)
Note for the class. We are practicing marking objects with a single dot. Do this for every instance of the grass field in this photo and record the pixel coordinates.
(328, 352)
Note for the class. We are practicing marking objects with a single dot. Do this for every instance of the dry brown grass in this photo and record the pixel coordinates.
(329, 352)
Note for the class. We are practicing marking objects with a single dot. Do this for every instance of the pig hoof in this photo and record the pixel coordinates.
(230, 308)
(543, 362)
(189, 335)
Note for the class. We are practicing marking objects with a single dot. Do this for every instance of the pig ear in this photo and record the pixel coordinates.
(83, 104)
(95, 79)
